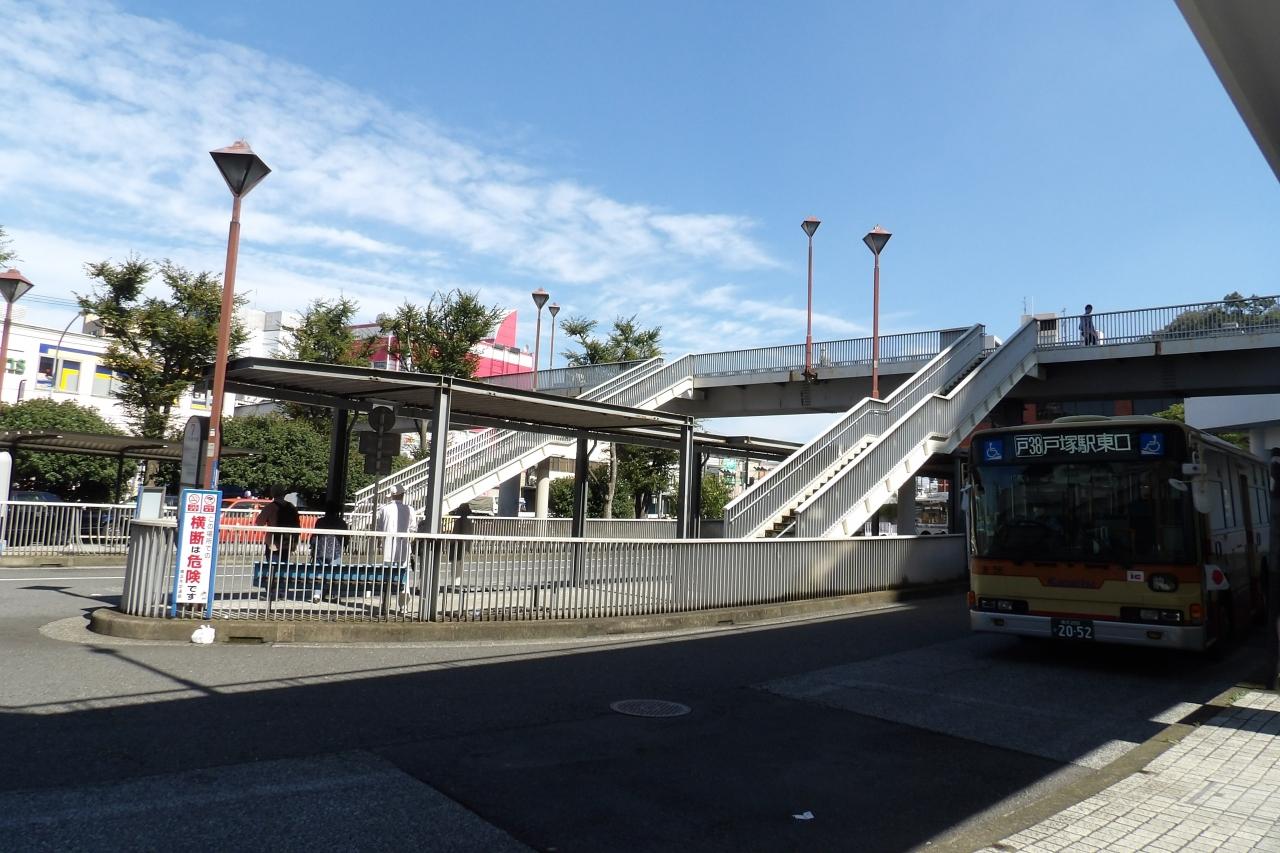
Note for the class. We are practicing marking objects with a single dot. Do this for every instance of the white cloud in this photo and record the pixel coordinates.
(112, 114)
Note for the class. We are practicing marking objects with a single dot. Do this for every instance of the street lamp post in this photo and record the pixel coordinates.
(12, 286)
(875, 240)
(553, 309)
(540, 298)
(810, 225)
(242, 170)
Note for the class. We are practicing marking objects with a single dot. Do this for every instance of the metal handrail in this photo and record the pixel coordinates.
(909, 346)
(1228, 317)
(753, 509)
(931, 415)
(581, 376)
(465, 463)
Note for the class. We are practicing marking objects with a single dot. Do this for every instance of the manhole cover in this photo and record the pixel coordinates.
(650, 708)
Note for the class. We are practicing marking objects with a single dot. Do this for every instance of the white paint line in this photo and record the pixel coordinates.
(81, 578)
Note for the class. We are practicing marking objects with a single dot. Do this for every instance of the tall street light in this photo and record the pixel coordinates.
(875, 240)
(242, 170)
(12, 286)
(553, 309)
(540, 298)
(809, 225)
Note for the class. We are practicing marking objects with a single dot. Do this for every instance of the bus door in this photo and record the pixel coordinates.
(1250, 542)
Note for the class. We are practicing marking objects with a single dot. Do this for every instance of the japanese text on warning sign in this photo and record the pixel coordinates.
(197, 544)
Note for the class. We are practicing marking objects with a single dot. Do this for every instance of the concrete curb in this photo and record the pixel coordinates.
(112, 622)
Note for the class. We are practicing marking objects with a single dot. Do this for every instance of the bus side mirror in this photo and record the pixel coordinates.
(1178, 485)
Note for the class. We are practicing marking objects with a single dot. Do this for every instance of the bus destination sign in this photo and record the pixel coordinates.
(1045, 445)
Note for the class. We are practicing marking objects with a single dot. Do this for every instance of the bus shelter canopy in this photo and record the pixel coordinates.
(100, 444)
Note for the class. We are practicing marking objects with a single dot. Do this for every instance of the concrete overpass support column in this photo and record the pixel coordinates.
(543, 500)
(509, 497)
(685, 507)
(907, 508)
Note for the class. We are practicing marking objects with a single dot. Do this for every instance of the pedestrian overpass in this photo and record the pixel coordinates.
(941, 385)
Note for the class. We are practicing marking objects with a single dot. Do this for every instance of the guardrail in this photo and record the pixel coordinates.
(754, 508)
(41, 528)
(417, 577)
(1257, 314)
(924, 416)
(55, 528)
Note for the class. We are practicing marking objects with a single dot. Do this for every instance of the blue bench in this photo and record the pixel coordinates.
(321, 577)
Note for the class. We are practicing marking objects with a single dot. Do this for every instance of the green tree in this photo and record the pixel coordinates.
(715, 494)
(73, 476)
(160, 346)
(626, 342)
(645, 472)
(1235, 311)
(1178, 412)
(560, 504)
(440, 337)
(323, 334)
(7, 254)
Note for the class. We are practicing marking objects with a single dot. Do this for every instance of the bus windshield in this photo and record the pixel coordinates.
(1093, 511)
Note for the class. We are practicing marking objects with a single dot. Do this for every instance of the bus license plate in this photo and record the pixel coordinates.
(1072, 629)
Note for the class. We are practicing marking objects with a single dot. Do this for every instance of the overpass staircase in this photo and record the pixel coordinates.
(486, 459)
(833, 485)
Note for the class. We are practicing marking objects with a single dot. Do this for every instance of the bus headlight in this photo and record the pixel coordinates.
(1163, 583)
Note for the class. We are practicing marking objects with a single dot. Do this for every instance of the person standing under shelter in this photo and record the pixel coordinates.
(395, 517)
(1088, 331)
(279, 513)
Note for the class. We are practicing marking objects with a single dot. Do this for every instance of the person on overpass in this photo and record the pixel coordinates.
(1088, 331)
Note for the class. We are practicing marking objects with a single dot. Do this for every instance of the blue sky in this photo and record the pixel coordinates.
(647, 158)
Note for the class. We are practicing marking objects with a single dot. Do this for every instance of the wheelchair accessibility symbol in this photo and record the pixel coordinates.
(994, 451)
(1151, 444)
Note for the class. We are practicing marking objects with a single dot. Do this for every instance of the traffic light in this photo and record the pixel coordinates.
(380, 446)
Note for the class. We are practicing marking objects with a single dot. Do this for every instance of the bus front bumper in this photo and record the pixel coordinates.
(1190, 637)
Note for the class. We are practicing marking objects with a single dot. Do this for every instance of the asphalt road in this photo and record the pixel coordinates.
(889, 728)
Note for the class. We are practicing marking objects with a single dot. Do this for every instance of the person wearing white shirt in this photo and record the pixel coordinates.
(395, 516)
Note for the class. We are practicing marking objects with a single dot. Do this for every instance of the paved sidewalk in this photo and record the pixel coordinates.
(1218, 789)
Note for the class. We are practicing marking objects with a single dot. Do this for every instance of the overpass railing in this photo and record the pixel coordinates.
(911, 346)
(927, 416)
(442, 578)
(1229, 317)
(561, 378)
(784, 486)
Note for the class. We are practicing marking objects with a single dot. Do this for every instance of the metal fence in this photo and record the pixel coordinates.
(911, 346)
(417, 577)
(1227, 318)
(39, 528)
